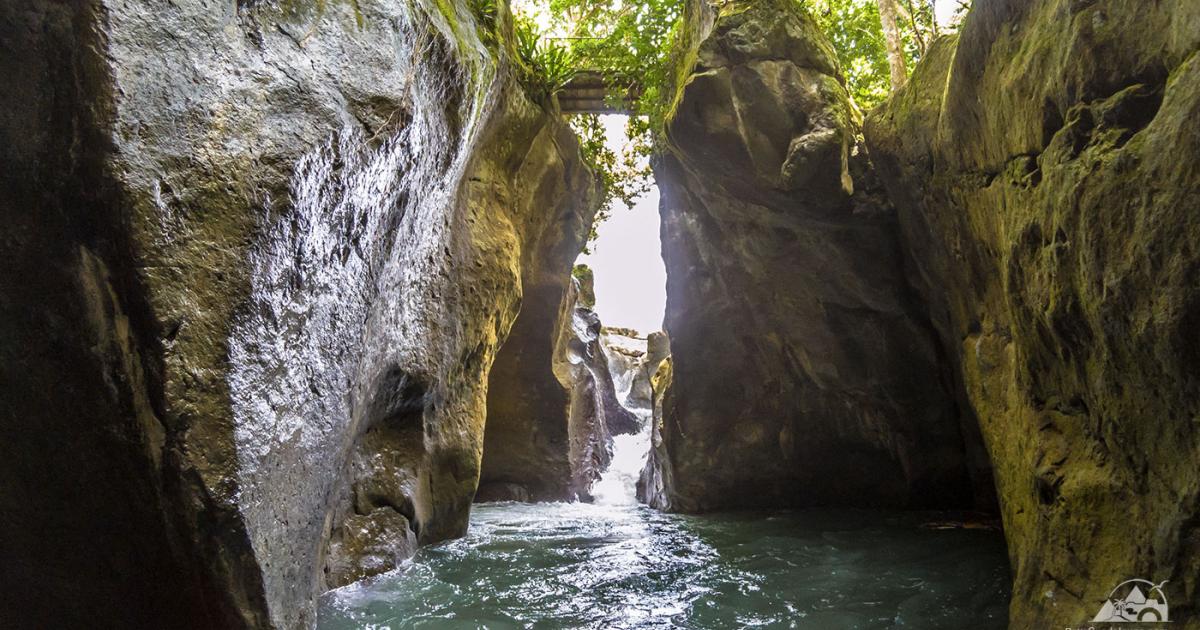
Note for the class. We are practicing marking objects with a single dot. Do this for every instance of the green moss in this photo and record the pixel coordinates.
(587, 290)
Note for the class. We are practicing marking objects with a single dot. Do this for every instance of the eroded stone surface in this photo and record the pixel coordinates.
(632, 362)
(803, 370)
(368, 544)
(596, 415)
(262, 256)
(1044, 168)
(552, 407)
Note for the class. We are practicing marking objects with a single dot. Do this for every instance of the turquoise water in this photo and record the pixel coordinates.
(625, 566)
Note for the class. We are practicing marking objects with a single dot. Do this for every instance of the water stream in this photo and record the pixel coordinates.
(616, 564)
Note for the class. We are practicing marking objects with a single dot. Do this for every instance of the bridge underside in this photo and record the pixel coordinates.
(589, 93)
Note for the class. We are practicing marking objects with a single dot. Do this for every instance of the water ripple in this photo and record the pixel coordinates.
(588, 566)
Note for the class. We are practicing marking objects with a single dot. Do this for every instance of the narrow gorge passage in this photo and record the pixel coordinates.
(296, 333)
(608, 561)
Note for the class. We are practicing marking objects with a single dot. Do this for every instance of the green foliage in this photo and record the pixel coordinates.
(587, 285)
(628, 42)
(486, 14)
(546, 65)
(631, 43)
(853, 28)
(556, 63)
(623, 176)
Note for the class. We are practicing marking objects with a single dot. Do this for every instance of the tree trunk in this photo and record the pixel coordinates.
(895, 47)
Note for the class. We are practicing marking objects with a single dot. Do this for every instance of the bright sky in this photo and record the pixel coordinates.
(631, 282)
(943, 11)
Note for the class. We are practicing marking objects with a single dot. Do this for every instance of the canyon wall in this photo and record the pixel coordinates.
(258, 263)
(552, 407)
(1044, 168)
(803, 369)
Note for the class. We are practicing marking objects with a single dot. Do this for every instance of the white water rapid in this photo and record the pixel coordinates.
(618, 484)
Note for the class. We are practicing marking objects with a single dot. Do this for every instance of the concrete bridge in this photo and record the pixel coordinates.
(588, 93)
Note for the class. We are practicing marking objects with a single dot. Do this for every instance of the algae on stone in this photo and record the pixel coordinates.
(1043, 164)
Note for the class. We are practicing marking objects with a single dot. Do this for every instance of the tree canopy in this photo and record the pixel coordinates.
(630, 41)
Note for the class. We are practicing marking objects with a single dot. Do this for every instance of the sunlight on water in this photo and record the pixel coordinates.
(576, 565)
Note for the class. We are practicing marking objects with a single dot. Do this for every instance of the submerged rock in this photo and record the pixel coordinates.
(803, 371)
(259, 259)
(1044, 167)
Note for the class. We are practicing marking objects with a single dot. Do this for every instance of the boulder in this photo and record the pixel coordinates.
(626, 354)
(1044, 167)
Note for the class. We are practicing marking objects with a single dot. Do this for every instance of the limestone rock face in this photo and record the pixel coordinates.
(1044, 167)
(525, 441)
(258, 261)
(550, 440)
(632, 361)
(527, 444)
(595, 413)
(367, 545)
(656, 476)
(803, 371)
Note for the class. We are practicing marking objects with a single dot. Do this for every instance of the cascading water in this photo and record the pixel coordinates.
(617, 564)
(617, 485)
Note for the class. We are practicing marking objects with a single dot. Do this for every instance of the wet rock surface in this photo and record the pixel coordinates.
(526, 442)
(656, 475)
(632, 361)
(549, 440)
(803, 370)
(260, 260)
(595, 412)
(1043, 165)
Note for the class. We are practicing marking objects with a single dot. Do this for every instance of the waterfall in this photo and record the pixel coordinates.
(618, 484)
